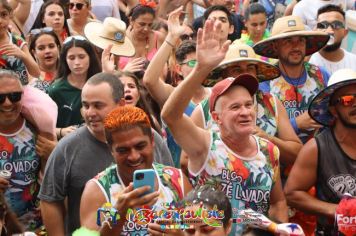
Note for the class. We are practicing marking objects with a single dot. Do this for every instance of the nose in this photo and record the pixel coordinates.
(7, 102)
(90, 111)
(134, 155)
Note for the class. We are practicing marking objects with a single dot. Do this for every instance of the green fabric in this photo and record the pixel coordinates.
(85, 232)
(69, 102)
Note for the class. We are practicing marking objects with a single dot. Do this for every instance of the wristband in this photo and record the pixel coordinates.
(169, 43)
(60, 133)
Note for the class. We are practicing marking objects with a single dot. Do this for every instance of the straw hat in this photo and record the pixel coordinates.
(290, 26)
(319, 107)
(240, 52)
(112, 31)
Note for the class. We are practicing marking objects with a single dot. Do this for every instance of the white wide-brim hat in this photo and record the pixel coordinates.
(319, 107)
(111, 31)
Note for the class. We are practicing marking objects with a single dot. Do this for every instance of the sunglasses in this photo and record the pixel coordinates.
(346, 100)
(334, 25)
(190, 63)
(77, 5)
(75, 37)
(41, 30)
(186, 36)
(13, 97)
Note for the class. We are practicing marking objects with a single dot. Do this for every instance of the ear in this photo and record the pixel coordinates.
(346, 31)
(231, 29)
(216, 118)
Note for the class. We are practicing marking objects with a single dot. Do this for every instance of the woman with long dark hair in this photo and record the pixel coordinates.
(53, 14)
(77, 65)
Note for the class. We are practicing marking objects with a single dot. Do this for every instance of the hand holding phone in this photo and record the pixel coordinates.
(144, 177)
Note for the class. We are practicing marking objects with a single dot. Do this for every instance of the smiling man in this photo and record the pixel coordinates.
(83, 154)
(328, 160)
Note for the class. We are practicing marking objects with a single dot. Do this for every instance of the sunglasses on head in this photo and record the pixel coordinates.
(77, 5)
(334, 25)
(75, 37)
(346, 100)
(186, 36)
(41, 30)
(190, 63)
(13, 97)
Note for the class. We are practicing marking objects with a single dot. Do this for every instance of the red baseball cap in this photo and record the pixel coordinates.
(248, 81)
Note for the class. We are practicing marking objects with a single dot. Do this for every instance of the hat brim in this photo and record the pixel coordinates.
(319, 107)
(315, 40)
(265, 71)
(91, 32)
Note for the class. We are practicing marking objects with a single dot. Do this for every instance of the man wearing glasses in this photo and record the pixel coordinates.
(20, 165)
(331, 19)
(328, 160)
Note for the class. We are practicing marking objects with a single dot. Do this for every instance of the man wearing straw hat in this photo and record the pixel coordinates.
(300, 81)
(328, 160)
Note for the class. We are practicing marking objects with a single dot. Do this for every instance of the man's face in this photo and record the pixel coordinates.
(346, 114)
(10, 110)
(186, 66)
(242, 67)
(132, 150)
(235, 113)
(97, 102)
(226, 28)
(338, 30)
(291, 51)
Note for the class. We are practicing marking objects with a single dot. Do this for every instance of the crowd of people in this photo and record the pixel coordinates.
(244, 111)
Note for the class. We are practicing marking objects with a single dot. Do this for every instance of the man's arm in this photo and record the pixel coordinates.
(278, 206)
(53, 217)
(194, 140)
(302, 177)
(287, 140)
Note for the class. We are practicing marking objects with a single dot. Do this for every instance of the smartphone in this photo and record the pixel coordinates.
(144, 177)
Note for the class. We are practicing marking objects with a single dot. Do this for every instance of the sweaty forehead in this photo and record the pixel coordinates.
(331, 16)
(217, 15)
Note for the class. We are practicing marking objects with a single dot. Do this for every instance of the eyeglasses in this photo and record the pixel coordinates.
(41, 30)
(75, 37)
(334, 25)
(77, 5)
(346, 100)
(186, 36)
(190, 63)
(13, 97)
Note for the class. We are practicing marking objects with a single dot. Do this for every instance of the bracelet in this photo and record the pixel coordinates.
(272, 227)
(169, 43)
(60, 133)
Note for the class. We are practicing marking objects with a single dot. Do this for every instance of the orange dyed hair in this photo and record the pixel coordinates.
(124, 116)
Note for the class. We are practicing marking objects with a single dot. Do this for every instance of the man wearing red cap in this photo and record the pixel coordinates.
(232, 159)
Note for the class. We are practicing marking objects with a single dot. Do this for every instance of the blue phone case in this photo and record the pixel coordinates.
(144, 177)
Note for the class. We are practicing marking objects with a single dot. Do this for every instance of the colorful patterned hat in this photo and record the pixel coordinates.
(290, 26)
(239, 52)
(319, 107)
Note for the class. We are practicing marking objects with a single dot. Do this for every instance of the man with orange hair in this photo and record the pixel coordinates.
(129, 135)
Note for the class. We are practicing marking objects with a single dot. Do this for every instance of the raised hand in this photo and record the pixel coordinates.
(210, 50)
(108, 60)
(12, 50)
(174, 26)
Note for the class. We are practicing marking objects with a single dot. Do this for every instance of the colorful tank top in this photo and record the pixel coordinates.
(266, 113)
(170, 182)
(18, 155)
(13, 63)
(247, 182)
(297, 104)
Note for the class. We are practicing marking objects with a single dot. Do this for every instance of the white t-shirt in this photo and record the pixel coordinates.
(308, 9)
(105, 8)
(349, 61)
